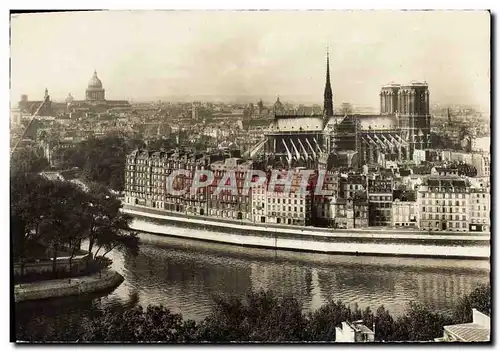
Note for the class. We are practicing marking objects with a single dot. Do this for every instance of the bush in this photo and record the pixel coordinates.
(260, 316)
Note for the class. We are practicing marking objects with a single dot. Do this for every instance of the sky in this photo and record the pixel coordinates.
(151, 55)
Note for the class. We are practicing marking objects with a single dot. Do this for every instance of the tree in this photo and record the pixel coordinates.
(116, 234)
(479, 299)
(27, 210)
(419, 324)
(27, 160)
(323, 321)
(80, 219)
(108, 226)
(62, 222)
(154, 324)
(259, 316)
(384, 325)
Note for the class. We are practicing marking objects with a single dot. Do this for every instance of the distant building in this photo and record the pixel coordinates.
(482, 144)
(477, 331)
(354, 332)
(94, 91)
(95, 101)
(336, 138)
(481, 161)
(15, 117)
(444, 171)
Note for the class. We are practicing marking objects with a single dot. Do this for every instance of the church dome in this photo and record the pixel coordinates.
(95, 82)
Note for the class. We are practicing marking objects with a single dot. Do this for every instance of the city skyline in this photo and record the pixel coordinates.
(222, 54)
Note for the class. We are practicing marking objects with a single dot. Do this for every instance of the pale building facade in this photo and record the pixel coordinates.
(443, 203)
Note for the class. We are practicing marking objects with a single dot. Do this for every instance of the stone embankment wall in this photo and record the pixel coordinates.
(108, 279)
(367, 244)
(78, 264)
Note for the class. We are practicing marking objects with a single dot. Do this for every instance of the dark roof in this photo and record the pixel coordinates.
(404, 195)
(404, 172)
(456, 182)
(247, 124)
(421, 170)
(293, 114)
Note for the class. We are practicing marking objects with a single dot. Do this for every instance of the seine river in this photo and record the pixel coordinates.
(184, 275)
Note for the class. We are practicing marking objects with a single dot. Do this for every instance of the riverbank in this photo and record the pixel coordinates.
(270, 227)
(457, 245)
(107, 279)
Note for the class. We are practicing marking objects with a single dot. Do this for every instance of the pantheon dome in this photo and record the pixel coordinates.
(94, 91)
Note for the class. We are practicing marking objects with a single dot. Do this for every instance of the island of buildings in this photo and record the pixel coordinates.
(383, 170)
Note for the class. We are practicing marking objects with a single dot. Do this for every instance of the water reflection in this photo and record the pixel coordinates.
(185, 275)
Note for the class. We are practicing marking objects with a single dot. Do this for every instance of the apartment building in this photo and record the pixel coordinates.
(479, 208)
(404, 209)
(443, 203)
(278, 206)
(325, 204)
(380, 201)
(232, 204)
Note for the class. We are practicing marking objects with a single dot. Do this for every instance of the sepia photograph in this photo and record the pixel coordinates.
(250, 176)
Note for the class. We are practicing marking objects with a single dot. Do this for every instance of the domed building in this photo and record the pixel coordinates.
(69, 99)
(94, 91)
(95, 102)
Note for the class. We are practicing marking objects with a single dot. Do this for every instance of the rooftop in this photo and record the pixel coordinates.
(469, 332)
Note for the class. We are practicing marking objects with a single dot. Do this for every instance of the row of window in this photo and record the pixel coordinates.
(442, 209)
(443, 217)
(278, 201)
(380, 205)
(478, 195)
(438, 225)
(275, 207)
(386, 198)
(480, 215)
(443, 195)
(443, 202)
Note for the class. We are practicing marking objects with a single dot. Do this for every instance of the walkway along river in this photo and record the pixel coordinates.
(185, 274)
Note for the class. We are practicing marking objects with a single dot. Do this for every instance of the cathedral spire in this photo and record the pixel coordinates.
(328, 98)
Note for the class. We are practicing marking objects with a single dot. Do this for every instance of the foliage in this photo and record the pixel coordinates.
(59, 215)
(156, 323)
(419, 324)
(101, 159)
(260, 316)
(479, 299)
(27, 211)
(27, 160)
(467, 170)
